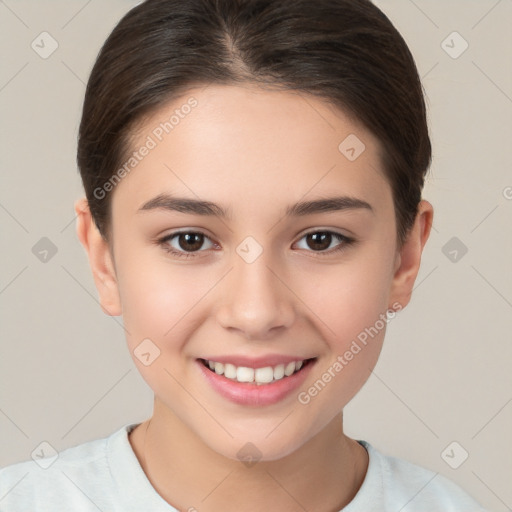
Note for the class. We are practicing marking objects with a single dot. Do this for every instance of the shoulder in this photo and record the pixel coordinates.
(396, 484)
(71, 478)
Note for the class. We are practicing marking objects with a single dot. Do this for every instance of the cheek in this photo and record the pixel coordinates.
(350, 296)
(350, 303)
(157, 297)
(159, 302)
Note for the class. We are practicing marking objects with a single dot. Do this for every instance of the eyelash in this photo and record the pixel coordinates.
(164, 243)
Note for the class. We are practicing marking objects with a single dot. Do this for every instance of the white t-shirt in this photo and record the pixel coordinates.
(105, 475)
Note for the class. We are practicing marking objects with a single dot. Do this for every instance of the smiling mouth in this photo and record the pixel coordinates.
(259, 376)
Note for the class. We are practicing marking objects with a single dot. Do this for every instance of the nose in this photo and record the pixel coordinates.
(255, 300)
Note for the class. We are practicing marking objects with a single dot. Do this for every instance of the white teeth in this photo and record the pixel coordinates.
(290, 368)
(264, 375)
(244, 374)
(279, 372)
(230, 371)
(259, 376)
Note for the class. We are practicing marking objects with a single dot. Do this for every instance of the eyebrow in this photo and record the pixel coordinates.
(207, 208)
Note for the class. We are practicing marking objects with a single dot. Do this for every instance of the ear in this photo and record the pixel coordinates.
(100, 259)
(409, 257)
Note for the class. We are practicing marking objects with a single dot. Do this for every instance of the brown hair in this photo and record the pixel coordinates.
(347, 52)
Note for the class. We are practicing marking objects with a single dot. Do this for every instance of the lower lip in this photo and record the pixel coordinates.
(254, 394)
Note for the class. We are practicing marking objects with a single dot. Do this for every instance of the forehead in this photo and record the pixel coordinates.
(249, 146)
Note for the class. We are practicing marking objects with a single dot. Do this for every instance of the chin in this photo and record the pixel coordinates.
(257, 446)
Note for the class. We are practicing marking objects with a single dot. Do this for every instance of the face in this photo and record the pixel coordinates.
(266, 282)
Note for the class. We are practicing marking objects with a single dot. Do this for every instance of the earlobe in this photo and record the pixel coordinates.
(409, 256)
(100, 259)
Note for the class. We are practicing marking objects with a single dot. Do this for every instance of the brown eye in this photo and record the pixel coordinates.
(190, 241)
(320, 241)
(184, 243)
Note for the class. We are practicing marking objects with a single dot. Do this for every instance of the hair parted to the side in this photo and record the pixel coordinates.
(347, 52)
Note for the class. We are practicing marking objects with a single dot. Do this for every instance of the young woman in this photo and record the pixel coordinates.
(253, 174)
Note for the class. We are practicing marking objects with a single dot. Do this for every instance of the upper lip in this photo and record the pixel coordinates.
(256, 362)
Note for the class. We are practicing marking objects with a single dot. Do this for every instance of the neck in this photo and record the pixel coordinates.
(323, 475)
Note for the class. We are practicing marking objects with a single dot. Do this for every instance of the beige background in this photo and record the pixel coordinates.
(444, 374)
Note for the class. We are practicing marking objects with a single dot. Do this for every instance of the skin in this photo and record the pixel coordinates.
(254, 152)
